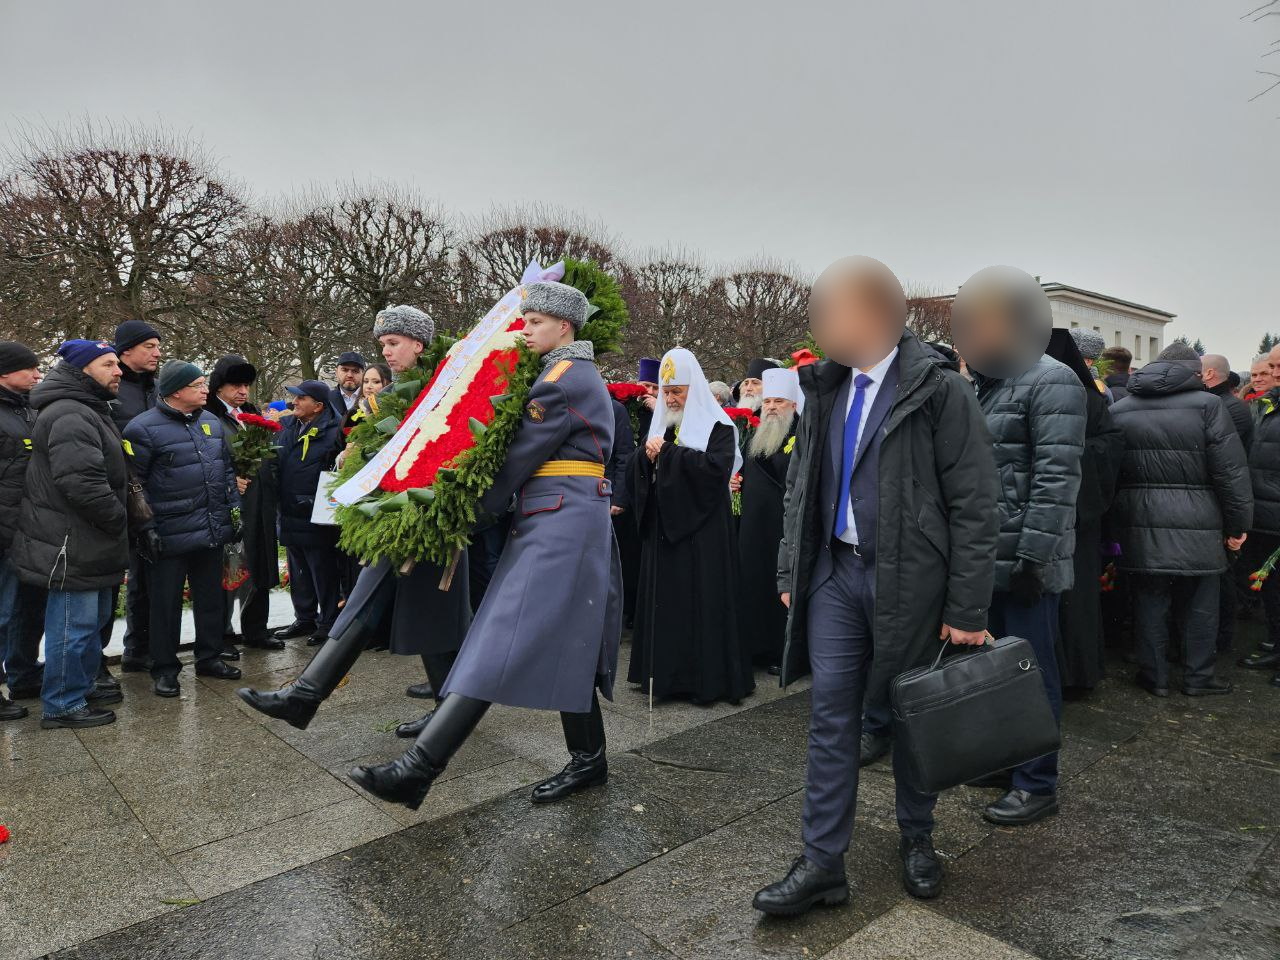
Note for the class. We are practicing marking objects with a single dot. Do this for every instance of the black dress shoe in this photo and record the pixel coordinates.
(1214, 687)
(420, 691)
(872, 748)
(101, 696)
(1260, 661)
(285, 705)
(84, 717)
(921, 870)
(1017, 808)
(317, 639)
(135, 665)
(773, 670)
(405, 780)
(410, 729)
(1150, 686)
(265, 642)
(584, 771)
(230, 654)
(105, 679)
(805, 886)
(10, 710)
(299, 628)
(218, 670)
(166, 686)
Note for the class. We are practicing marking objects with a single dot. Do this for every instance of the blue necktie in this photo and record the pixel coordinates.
(851, 422)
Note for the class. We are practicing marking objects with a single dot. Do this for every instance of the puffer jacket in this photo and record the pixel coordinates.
(184, 465)
(304, 451)
(73, 530)
(1184, 479)
(1264, 463)
(17, 420)
(1037, 424)
(137, 395)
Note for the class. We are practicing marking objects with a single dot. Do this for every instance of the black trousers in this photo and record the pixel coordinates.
(438, 666)
(165, 580)
(314, 584)
(137, 610)
(1258, 547)
(1197, 614)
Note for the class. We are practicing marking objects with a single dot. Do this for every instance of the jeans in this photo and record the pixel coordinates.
(1038, 624)
(21, 624)
(73, 623)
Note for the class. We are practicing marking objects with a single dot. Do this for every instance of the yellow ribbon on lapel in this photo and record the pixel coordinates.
(306, 440)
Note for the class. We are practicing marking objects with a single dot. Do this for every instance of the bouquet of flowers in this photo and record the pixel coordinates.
(253, 444)
(1259, 576)
(745, 421)
(631, 396)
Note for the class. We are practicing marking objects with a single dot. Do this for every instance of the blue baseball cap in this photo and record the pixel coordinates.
(311, 388)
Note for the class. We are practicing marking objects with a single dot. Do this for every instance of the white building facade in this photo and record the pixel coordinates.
(1137, 328)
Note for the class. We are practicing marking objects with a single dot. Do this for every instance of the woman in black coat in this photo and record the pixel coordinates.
(1080, 642)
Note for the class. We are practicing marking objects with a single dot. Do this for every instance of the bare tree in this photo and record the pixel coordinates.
(667, 296)
(759, 310)
(929, 313)
(94, 235)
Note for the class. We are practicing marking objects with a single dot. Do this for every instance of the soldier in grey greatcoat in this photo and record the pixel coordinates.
(546, 635)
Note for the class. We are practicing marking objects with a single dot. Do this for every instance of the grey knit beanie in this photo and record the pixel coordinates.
(556, 300)
(407, 322)
(1090, 342)
(1179, 352)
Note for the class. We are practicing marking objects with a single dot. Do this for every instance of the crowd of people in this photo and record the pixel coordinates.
(788, 522)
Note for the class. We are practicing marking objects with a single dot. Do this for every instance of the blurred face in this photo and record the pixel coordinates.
(105, 371)
(143, 357)
(349, 377)
(234, 394)
(1260, 376)
(191, 397)
(21, 381)
(650, 388)
(400, 352)
(306, 408)
(750, 387)
(857, 311)
(675, 397)
(373, 382)
(776, 408)
(543, 332)
(1001, 322)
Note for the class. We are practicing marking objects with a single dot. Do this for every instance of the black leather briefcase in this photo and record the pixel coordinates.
(972, 714)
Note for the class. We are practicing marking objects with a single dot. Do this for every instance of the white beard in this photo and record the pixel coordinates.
(769, 436)
(752, 402)
(672, 418)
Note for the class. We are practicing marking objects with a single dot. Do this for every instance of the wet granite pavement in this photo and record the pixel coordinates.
(197, 829)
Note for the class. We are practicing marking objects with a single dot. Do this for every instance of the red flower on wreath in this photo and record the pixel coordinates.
(253, 420)
(626, 392)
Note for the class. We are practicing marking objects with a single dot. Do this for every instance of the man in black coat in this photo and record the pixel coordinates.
(21, 606)
(1215, 373)
(75, 495)
(1183, 494)
(1264, 536)
(349, 370)
(182, 460)
(876, 571)
(137, 345)
(309, 442)
(229, 383)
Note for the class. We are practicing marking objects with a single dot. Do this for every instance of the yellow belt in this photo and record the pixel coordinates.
(570, 468)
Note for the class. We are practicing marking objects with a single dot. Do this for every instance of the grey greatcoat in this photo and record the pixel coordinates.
(548, 628)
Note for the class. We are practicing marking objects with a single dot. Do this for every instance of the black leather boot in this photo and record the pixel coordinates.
(410, 729)
(408, 779)
(584, 735)
(297, 703)
(805, 886)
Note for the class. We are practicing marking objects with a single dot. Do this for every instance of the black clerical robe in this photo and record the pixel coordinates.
(686, 632)
(761, 616)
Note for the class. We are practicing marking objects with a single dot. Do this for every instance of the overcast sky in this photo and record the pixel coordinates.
(1106, 144)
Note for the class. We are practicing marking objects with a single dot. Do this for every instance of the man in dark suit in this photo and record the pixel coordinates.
(888, 547)
(349, 371)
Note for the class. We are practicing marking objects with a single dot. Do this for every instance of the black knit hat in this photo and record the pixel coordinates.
(15, 356)
(133, 332)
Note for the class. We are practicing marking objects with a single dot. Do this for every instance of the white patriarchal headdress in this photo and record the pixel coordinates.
(784, 384)
(679, 368)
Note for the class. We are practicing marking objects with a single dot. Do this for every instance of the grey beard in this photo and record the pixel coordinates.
(752, 402)
(769, 436)
(672, 418)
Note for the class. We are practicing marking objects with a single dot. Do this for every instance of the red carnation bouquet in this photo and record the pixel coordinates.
(626, 392)
(253, 444)
(746, 421)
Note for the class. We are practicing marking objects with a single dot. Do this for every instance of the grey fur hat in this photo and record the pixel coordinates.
(407, 322)
(1178, 352)
(1090, 342)
(557, 300)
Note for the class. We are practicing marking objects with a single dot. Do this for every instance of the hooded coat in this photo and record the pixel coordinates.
(73, 530)
(936, 523)
(17, 420)
(1184, 479)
